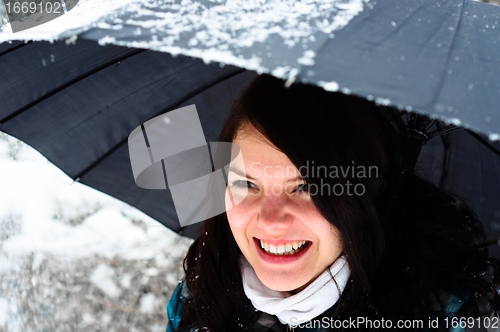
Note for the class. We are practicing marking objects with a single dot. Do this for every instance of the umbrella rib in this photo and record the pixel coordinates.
(446, 161)
(401, 24)
(69, 83)
(12, 49)
(432, 123)
(164, 110)
(485, 142)
(448, 57)
(444, 130)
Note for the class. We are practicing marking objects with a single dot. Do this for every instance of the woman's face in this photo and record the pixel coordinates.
(275, 212)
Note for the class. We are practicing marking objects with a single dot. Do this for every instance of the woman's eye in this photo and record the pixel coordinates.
(243, 184)
(301, 188)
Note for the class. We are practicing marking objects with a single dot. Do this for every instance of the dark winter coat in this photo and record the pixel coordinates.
(461, 305)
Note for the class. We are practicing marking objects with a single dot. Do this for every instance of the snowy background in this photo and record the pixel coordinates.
(72, 258)
(75, 259)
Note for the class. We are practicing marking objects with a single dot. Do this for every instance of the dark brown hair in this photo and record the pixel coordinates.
(398, 253)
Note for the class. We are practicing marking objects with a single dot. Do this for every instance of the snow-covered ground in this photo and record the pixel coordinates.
(73, 258)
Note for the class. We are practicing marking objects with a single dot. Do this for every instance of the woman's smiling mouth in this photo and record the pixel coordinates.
(283, 249)
(283, 252)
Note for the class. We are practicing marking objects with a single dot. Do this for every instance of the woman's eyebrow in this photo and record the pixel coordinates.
(242, 174)
(297, 178)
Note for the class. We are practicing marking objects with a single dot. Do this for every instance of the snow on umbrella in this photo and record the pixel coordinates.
(77, 98)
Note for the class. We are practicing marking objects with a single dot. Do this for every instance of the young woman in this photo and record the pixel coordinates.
(329, 234)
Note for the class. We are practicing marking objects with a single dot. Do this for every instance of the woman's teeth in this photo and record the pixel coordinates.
(283, 249)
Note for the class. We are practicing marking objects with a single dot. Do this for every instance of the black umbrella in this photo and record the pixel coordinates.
(77, 101)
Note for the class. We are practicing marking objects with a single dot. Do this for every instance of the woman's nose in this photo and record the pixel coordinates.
(273, 213)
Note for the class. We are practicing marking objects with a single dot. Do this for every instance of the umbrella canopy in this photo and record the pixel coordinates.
(441, 57)
(76, 101)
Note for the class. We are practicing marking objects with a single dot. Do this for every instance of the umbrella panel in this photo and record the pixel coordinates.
(437, 56)
(79, 110)
(461, 164)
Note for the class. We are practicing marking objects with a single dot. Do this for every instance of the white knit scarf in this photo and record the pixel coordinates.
(313, 300)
